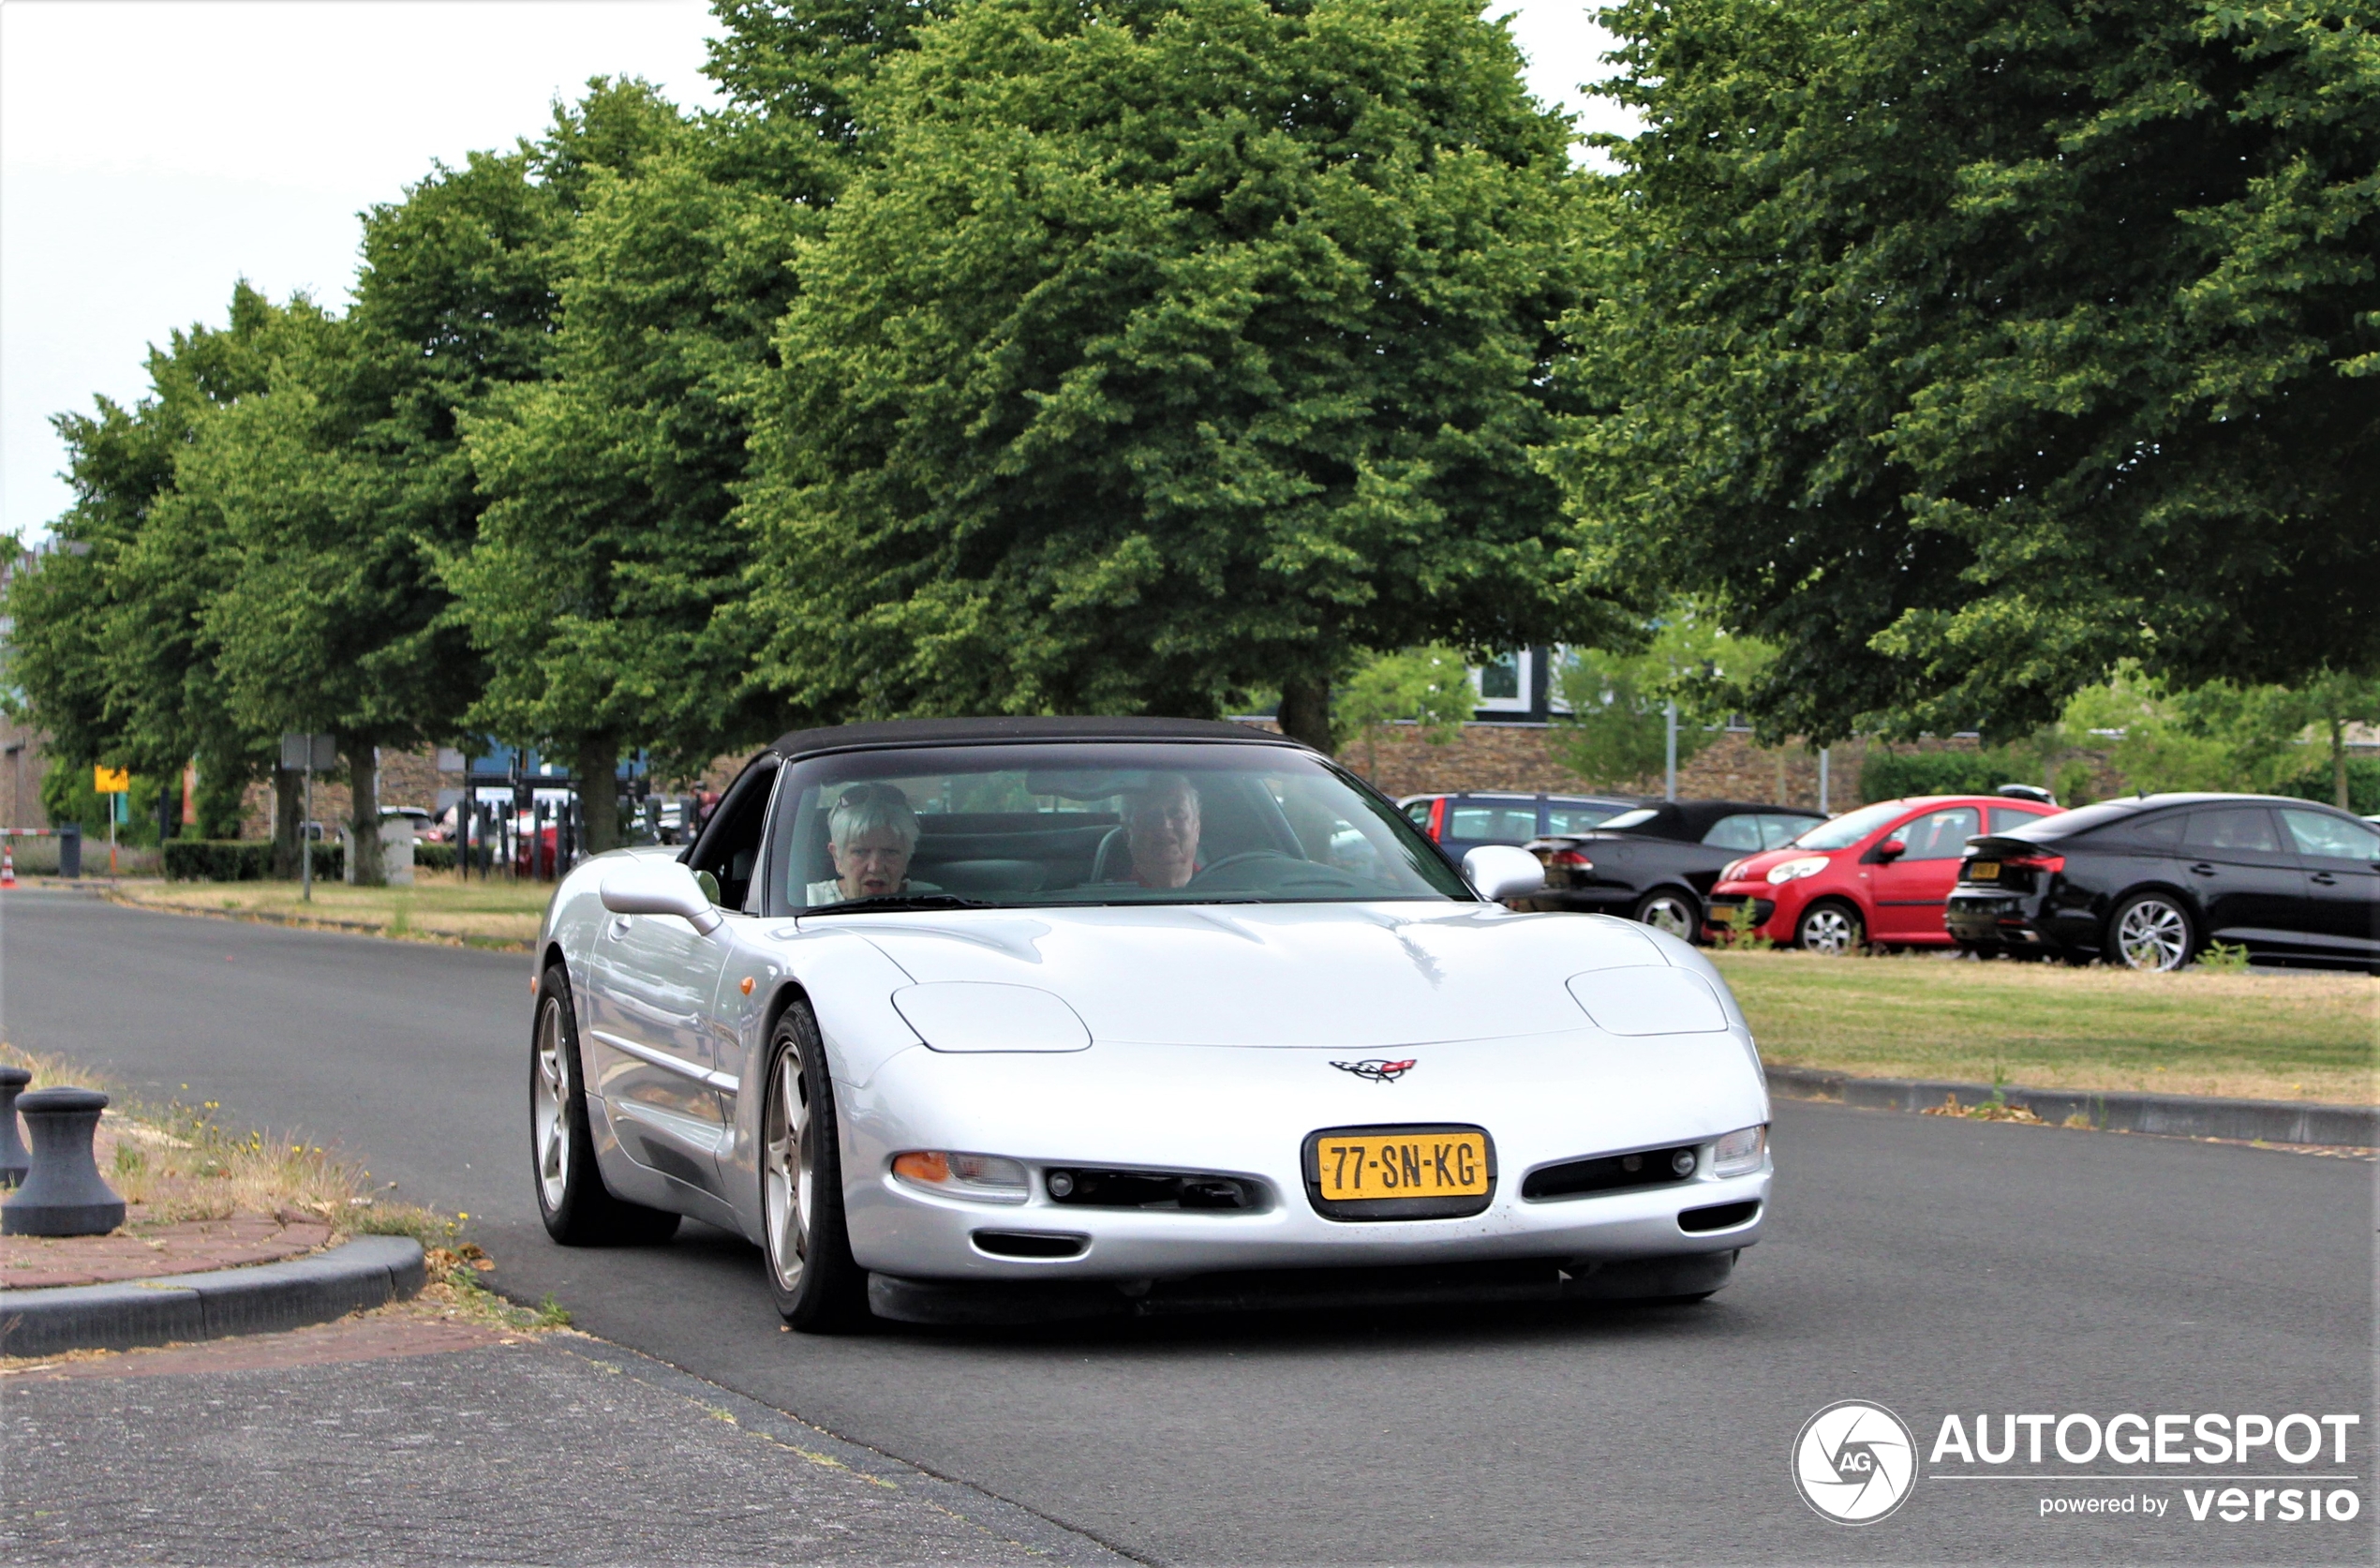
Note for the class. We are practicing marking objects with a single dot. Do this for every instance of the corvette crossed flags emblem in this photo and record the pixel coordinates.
(1377, 1069)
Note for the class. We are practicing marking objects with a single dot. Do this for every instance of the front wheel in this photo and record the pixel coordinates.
(1667, 909)
(1831, 927)
(577, 1208)
(817, 1286)
(2152, 932)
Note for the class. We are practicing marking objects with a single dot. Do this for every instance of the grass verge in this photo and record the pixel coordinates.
(439, 907)
(2257, 1035)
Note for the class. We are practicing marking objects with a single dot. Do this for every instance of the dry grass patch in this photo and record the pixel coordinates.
(178, 1164)
(440, 906)
(2257, 1034)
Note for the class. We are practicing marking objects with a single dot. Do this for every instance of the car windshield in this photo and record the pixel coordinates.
(1849, 827)
(1626, 820)
(1022, 826)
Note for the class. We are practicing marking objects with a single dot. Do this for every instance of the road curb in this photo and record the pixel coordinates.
(344, 928)
(2267, 1121)
(355, 1276)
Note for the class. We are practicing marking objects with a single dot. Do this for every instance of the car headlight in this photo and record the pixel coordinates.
(1739, 1153)
(1727, 873)
(1796, 868)
(983, 1178)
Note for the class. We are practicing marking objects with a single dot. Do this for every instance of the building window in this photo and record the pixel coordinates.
(1504, 682)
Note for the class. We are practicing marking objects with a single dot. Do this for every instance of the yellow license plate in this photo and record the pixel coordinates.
(1983, 871)
(1400, 1163)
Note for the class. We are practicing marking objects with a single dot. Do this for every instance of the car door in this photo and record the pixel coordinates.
(1910, 890)
(654, 1052)
(2250, 889)
(2342, 860)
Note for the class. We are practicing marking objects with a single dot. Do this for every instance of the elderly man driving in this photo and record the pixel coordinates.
(1161, 829)
(870, 833)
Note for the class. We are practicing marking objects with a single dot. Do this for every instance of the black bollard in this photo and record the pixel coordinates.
(12, 1155)
(63, 1195)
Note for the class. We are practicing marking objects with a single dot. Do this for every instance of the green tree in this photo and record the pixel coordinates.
(1430, 687)
(342, 485)
(1961, 351)
(110, 646)
(594, 579)
(1162, 351)
(1617, 730)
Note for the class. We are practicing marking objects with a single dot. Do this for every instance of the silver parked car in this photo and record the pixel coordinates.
(982, 1019)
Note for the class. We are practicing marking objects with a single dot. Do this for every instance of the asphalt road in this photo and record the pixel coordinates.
(1933, 1266)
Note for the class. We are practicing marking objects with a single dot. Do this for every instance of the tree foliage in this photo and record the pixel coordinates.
(1617, 730)
(1962, 350)
(1165, 349)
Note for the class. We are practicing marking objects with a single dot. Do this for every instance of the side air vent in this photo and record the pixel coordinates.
(1578, 1178)
(1720, 1216)
(1030, 1244)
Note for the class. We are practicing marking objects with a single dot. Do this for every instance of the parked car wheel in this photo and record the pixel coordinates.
(577, 1208)
(1981, 949)
(2152, 930)
(817, 1286)
(1831, 927)
(1670, 909)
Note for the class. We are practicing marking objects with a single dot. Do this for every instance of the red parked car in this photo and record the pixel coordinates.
(1879, 874)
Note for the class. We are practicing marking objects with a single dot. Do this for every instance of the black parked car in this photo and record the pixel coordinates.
(1462, 822)
(1658, 863)
(2146, 882)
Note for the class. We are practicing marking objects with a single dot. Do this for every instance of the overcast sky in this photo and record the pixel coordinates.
(152, 152)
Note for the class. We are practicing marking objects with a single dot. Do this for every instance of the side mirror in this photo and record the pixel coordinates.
(1891, 849)
(1500, 871)
(654, 886)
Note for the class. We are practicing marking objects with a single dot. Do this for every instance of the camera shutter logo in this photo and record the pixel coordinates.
(1855, 1462)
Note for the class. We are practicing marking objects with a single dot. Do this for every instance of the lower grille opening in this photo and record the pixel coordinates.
(1719, 1217)
(1151, 1189)
(1030, 1244)
(1610, 1173)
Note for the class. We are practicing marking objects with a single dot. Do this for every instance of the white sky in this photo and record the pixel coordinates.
(153, 152)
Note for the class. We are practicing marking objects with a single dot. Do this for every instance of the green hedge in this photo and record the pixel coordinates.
(239, 861)
(1890, 776)
(2315, 784)
(434, 856)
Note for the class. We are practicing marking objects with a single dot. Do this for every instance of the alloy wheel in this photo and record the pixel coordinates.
(549, 1109)
(2153, 934)
(788, 1157)
(1829, 930)
(1667, 912)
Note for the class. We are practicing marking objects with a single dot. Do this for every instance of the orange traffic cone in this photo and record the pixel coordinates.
(7, 865)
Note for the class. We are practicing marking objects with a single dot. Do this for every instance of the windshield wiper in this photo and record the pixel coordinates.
(902, 901)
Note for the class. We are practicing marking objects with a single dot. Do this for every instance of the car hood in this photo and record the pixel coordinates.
(1346, 977)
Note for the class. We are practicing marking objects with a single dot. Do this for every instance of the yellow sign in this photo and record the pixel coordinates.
(111, 781)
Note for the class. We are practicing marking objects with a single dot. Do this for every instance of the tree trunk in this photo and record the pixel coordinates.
(1305, 713)
(599, 792)
(2338, 762)
(363, 815)
(289, 820)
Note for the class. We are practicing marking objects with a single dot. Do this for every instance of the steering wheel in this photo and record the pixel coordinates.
(1241, 859)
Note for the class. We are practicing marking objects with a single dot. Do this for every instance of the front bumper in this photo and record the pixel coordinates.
(1723, 904)
(1245, 1113)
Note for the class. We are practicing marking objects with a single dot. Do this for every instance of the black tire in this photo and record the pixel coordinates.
(2153, 931)
(1831, 926)
(805, 1246)
(1670, 909)
(577, 1208)
(1981, 949)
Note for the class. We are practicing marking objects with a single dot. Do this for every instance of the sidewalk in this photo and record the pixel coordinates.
(398, 1437)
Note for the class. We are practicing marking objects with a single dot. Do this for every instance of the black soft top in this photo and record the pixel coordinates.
(960, 732)
(1690, 820)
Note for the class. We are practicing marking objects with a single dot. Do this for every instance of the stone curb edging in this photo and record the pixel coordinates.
(2268, 1121)
(263, 1298)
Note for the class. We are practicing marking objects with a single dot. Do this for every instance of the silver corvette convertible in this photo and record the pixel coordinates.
(989, 1020)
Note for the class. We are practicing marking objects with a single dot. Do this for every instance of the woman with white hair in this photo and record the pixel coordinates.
(871, 832)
